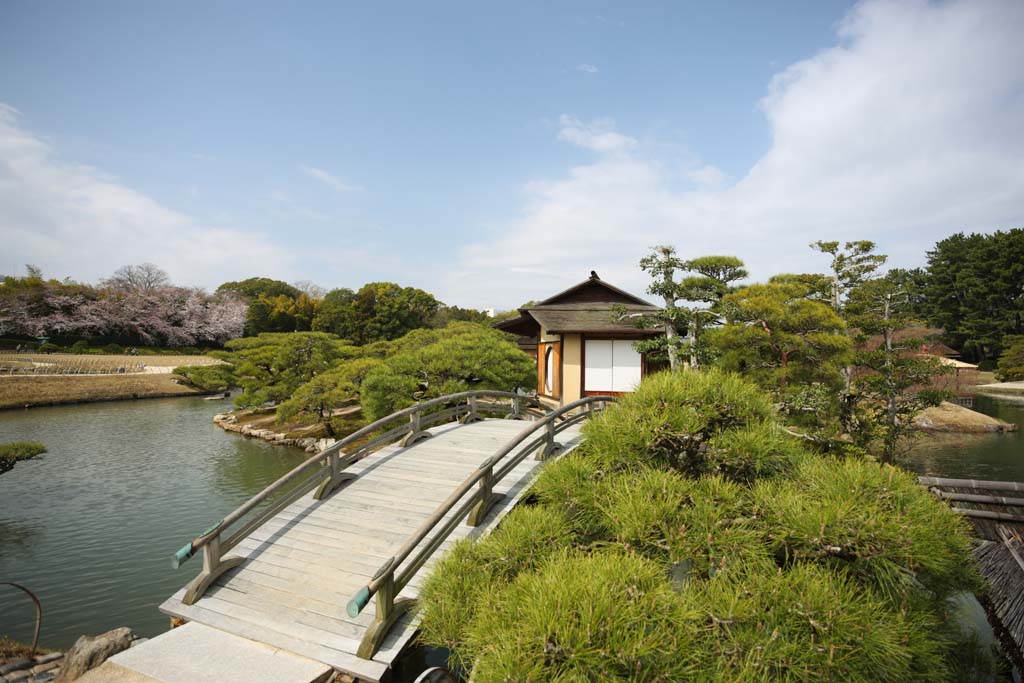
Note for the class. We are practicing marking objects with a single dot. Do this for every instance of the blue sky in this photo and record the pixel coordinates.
(495, 154)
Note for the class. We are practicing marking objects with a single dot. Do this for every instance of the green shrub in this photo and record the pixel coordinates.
(113, 349)
(668, 420)
(327, 391)
(810, 624)
(569, 484)
(80, 346)
(875, 523)
(462, 582)
(756, 450)
(780, 565)
(1011, 361)
(12, 453)
(460, 357)
(700, 528)
(49, 348)
(218, 377)
(603, 617)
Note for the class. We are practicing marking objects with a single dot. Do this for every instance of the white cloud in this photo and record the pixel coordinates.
(74, 220)
(706, 175)
(587, 68)
(909, 129)
(328, 179)
(597, 136)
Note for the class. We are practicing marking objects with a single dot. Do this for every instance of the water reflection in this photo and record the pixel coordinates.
(997, 456)
(91, 526)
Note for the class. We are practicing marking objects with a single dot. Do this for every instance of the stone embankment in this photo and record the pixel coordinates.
(38, 669)
(63, 667)
(231, 423)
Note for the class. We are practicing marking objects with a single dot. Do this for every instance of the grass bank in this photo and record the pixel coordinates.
(44, 390)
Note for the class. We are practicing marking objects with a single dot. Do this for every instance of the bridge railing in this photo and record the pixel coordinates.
(324, 472)
(471, 500)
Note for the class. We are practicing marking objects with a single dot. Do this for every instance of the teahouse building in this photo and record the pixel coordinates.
(583, 340)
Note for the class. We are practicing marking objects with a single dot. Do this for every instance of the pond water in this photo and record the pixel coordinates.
(997, 457)
(91, 526)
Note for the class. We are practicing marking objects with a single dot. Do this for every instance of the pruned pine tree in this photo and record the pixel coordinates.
(776, 334)
(851, 266)
(897, 379)
(711, 279)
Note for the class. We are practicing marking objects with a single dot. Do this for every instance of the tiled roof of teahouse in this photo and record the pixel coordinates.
(590, 317)
(590, 306)
(613, 292)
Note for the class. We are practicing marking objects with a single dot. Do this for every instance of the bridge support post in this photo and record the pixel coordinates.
(472, 416)
(213, 566)
(550, 447)
(388, 611)
(416, 433)
(516, 413)
(486, 497)
(334, 479)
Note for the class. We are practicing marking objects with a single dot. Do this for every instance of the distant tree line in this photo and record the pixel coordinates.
(139, 305)
(973, 288)
(378, 311)
(136, 305)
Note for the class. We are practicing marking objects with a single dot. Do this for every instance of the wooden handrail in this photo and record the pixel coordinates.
(386, 583)
(329, 464)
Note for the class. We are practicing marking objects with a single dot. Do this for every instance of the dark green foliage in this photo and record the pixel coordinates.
(1011, 362)
(464, 356)
(796, 568)
(329, 390)
(754, 451)
(669, 419)
(12, 453)
(602, 617)
(875, 523)
(113, 348)
(569, 484)
(974, 288)
(461, 586)
(80, 346)
(776, 335)
(274, 306)
(218, 377)
(691, 304)
(450, 314)
(49, 348)
(852, 265)
(378, 311)
(255, 286)
(700, 527)
(811, 624)
(894, 382)
(272, 366)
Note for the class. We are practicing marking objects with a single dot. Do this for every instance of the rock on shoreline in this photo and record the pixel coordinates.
(229, 422)
(949, 417)
(63, 667)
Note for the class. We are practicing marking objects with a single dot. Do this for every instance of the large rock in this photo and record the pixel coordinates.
(949, 417)
(88, 653)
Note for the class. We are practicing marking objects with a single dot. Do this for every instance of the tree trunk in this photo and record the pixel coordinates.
(670, 327)
(889, 451)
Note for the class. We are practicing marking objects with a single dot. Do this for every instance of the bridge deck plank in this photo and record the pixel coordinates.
(301, 566)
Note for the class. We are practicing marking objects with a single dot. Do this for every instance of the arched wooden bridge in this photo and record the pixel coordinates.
(326, 562)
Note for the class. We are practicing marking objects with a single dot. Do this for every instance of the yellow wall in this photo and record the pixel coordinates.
(546, 336)
(572, 371)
